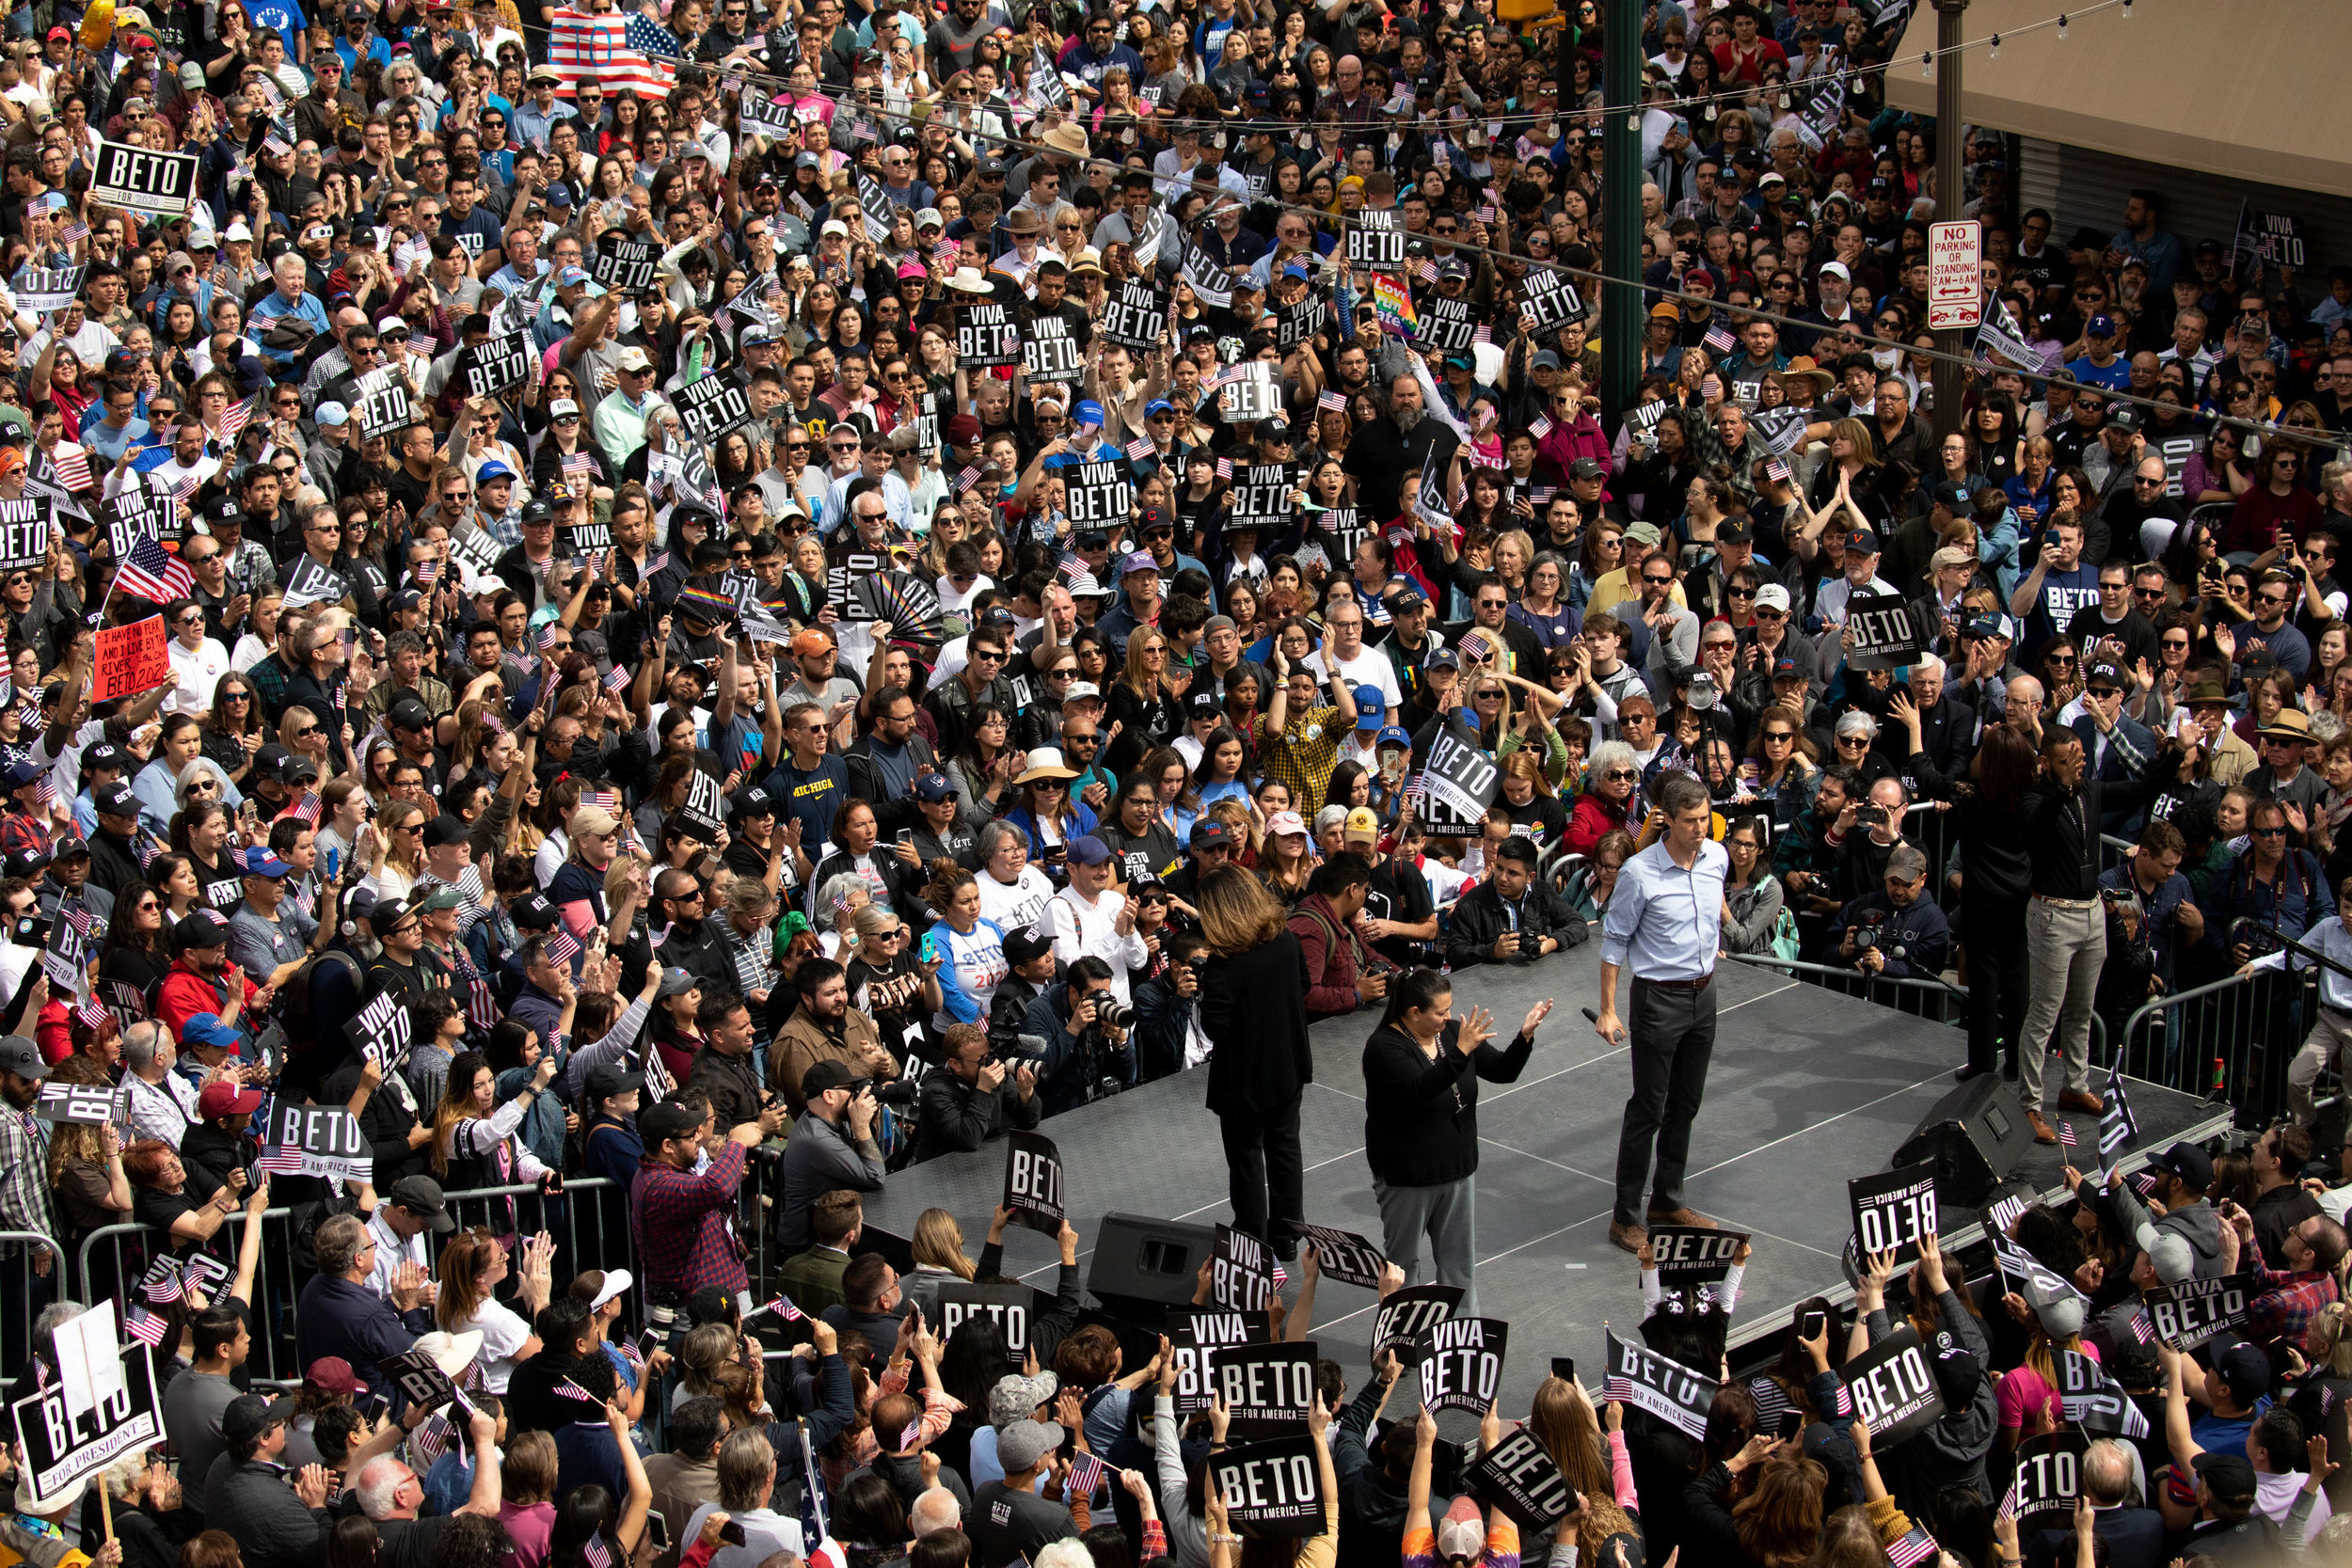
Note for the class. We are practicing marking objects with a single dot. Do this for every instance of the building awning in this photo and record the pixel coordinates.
(2245, 89)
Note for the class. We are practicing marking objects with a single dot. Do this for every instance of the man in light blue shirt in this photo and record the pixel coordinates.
(122, 429)
(1664, 922)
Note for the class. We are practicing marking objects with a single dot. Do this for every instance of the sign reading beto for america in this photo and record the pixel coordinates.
(1032, 1177)
(1006, 1305)
(1407, 1315)
(318, 1140)
(1098, 495)
(1343, 1256)
(625, 266)
(23, 534)
(1241, 1270)
(1137, 316)
(1885, 635)
(1275, 1487)
(1669, 1390)
(1521, 1477)
(1261, 498)
(1266, 1387)
(1686, 1255)
(1892, 1210)
(986, 336)
(711, 405)
(1894, 1389)
(1195, 1334)
(2194, 1310)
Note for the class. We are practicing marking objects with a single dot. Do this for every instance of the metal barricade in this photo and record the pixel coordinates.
(1934, 1000)
(2229, 1040)
(2114, 852)
(23, 1292)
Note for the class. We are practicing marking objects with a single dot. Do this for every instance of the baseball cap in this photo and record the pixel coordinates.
(199, 931)
(260, 862)
(249, 1417)
(1994, 625)
(1208, 832)
(677, 982)
(2192, 1164)
(1772, 595)
(1442, 659)
(2099, 326)
(2230, 1477)
(1861, 541)
(2105, 674)
(1361, 824)
(1087, 849)
(1371, 708)
(1021, 1444)
(1952, 494)
(750, 801)
(332, 1374)
(22, 1056)
(532, 913)
(222, 1098)
(1137, 560)
(1027, 945)
(421, 1195)
(607, 1080)
(1286, 824)
(658, 1124)
(824, 1075)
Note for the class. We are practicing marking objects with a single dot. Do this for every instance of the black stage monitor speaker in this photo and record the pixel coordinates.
(1972, 1137)
(1139, 1260)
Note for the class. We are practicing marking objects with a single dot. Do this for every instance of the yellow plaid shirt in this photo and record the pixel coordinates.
(1302, 753)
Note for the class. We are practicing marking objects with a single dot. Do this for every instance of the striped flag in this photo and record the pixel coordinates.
(423, 344)
(605, 801)
(431, 1438)
(284, 1163)
(236, 418)
(1428, 272)
(572, 1391)
(562, 947)
(1772, 1403)
(1281, 1274)
(2066, 1133)
(1336, 401)
(2011, 1500)
(162, 1282)
(648, 37)
(147, 1327)
(584, 48)
(595, 1552)
(1483, 334)
(911, 1433)
(185, 490)
(1224, 469)
(151, 572)
(1540, 427)
(577, 465)
(1775, 470)
(1086, 1474)
(1616, 1390)
(1913, 1549)
(1141, 448)
(962, 481)
(2143, 1327)
(1719, 339)
(74, 232)
(305, 809)
(72, 465)
(92, 1012)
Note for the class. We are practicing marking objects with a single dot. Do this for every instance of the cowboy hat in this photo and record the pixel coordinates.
(1024, 220)
(2291, 723)
(969, 280)
(1803, 368)
(1045, 763)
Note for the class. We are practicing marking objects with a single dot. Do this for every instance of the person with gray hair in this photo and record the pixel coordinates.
(936, 1510)
(747, 1485)
(1896, 932)
(339, 1315)
(163, 1102)
(2114, 1483)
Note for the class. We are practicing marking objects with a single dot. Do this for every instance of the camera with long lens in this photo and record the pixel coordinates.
(1111, 1013)
(896, 1093)
(1006, 1041)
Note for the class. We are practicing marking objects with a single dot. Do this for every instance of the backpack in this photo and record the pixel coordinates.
(294, 997)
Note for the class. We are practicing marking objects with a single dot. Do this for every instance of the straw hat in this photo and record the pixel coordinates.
(1045, 763)
(1066, 138)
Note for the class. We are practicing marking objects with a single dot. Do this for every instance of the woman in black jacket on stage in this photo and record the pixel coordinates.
(1987, 812)
(1253, 1008)
(1422, 1068)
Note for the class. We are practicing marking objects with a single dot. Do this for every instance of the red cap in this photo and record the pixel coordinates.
(223, 1099)
(332, 1374)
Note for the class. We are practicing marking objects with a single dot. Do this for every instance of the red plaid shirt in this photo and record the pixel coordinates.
(2287, 1303)
(684, 1222)
(22, 829)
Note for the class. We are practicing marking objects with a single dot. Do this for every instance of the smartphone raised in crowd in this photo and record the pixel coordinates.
(1563, 1368)
(1816, 1323)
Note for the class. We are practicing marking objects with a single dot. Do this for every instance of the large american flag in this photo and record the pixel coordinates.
(599, 49)
(152, 572)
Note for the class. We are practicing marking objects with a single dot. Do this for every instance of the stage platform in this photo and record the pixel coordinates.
(1807, 1088)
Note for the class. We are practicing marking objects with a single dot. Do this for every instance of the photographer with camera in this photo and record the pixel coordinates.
(1512, 916)
(833, 1147)
(971, 1096)
(1897, 932)
(1168, 1038)
(1089, 1054)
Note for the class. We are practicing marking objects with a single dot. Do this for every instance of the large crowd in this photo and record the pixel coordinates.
(684, 724)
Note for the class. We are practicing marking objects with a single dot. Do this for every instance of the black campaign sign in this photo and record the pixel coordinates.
(1275, 1487)
(583, 540)
(703, 806)
(89, 1104)
(491, 367)
(383, 404)
(1375, 239)
(625, 266)
(713, 405)
(1689, 1256)
(1550, 299)
(1296, 322)
(1519, 1477)
(1267, 1387)
(1195, 1334)
(2049, 1471)
(2194, 1310)
(1050, 352)
(60, 1446)
(1894, 1389)
(1461, 1363)
(1343, 1256)
(23, 534)
(418, 1378)
(1033, 1174)
(143, 180)
(381, 1031)
(1241, 1271)
(1137, 316)
(1262, 498)
(1885, 635)
(1097, 495)
(1409, 1313)
(1006, 1305)
(1667, 1390)
(1891, 1212)
(986, 336)
(1446, 324)
(1459, 776)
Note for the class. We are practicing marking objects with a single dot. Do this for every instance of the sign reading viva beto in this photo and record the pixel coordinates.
(1461, 1363)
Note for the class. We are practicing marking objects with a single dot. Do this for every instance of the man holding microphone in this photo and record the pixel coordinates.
(1664, 923)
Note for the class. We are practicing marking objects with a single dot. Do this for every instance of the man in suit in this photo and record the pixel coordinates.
(812, 1280)
(2115, 747)
(2133, 1535)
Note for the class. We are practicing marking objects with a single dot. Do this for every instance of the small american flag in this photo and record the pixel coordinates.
(1140, 447)
(1086, 1474)
(92, 1012)
(72, 465)
(423, 344)
(427, 571)
(2009, 1502)
(1541, 494)
(431, 1438)
(1772, 1403)
(578, 465)
(1483, 334)
(186, 488)
(284, 1163)
(1616, 1389)
(76, 916)
(785, 1308)
(1337, 402)
(2143, 1327)
(153, 573)
(561, 947)
(1776, 471)
(618, 680)
(649, 38)
(235, 419)
(2145, 1182)
(911, 1433)
(605, 800)
(74, 232)
(1224, 469)
(947, 253)
(146, 851)
(147, 1327)
(1281, 1274)
(162, 1282)
(1428, 271)
(963, 480)
(1719, 339)
(572, 1391)
(1913, 1549)
(1845, 1403)
(1485, 214)
(2066, 1133)
(1540, 426)
(482, 1004)
(305, 809)
(595, 1553)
